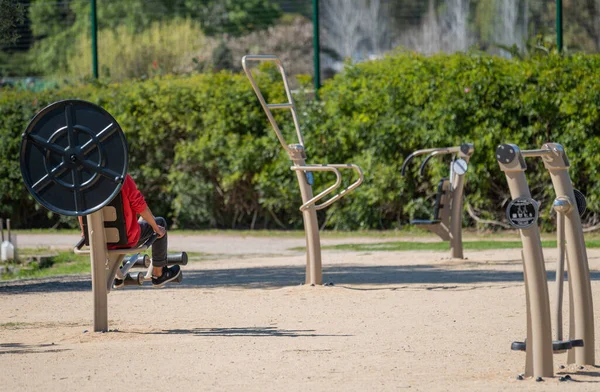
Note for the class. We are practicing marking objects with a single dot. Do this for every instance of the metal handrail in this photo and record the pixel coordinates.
(424, 163)
(266, 106)
(536, 153)
(333, 168)
(437, 151)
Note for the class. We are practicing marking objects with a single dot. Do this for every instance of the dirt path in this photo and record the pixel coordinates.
(392, 321)
(212, 243)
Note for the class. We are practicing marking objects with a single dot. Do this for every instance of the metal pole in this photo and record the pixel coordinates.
(560, 275)
(559, 26)
(316, 47)
(94, 39)
(98, 258)
(314, 268)
(456, 247)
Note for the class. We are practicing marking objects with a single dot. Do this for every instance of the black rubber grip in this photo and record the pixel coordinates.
(577, 342)
(561, 345)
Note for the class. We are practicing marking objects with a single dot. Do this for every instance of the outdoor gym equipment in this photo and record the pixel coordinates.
(296, 152)
(448, 208)
(522, 214)
(74, 163)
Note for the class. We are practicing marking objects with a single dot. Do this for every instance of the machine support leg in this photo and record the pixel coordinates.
(98, 258)
(456, 245)
(560, 275)
(540, 341)
(314, 269)
(579, 274)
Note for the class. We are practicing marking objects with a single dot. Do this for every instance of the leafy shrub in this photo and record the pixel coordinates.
(164, 47)
(204, 154)
(380, 111)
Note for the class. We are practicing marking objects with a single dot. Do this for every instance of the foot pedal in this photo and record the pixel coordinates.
(142, 261)
(177, 259)
(417, 222)
(557, 345)
(561, 345)
(577, 342)
(134, 280)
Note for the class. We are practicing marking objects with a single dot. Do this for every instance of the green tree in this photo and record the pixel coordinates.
(229, 16)
(56, 25)
(11, 15)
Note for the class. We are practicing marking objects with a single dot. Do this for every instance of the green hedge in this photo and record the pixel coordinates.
(203, 152)
(381, 111)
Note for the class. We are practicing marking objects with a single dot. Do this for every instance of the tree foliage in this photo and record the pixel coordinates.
(58, 25)
(11, 15)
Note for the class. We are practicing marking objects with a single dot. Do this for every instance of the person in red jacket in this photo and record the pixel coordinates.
(139, 231)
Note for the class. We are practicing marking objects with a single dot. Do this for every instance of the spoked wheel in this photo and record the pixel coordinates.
(73, 157)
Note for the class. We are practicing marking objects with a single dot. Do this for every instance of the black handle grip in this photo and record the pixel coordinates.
(80, 243)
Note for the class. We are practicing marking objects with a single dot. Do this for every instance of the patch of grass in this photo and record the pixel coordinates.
(438, 246)
(66, 263)
(407, 231)
(61, 263)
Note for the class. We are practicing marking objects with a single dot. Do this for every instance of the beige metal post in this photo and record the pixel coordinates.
(539, 331)
(456, 246)
(98, 258)
(458, 189)
(314, 269)
(560, 278)
(579, 274)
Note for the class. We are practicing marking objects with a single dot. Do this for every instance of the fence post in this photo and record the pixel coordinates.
(94, 39)
(559, 26)
(316, 47)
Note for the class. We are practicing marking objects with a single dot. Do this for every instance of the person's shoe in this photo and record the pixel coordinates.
(118, 283)
(168, 275)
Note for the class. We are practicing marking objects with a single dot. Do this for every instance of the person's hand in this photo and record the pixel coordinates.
(161, 231)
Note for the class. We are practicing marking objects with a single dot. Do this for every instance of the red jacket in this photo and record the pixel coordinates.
(133, 204)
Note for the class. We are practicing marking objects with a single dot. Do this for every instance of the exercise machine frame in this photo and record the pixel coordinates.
(539, 345)
(297, 153)
(447, 220)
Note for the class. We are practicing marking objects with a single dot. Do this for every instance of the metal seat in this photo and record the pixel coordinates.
(441, 203)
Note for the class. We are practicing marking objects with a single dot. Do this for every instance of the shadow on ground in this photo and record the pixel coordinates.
(250, 331)
(276, 277)
(20, 348)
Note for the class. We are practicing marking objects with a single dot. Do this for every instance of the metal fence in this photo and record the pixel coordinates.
(141, 38)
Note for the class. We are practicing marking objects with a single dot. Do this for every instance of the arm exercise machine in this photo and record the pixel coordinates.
(448, 208)
(522, 214)
(296, 152)
(74, 162)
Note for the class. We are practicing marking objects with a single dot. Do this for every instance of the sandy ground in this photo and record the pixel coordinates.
(392, 321)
